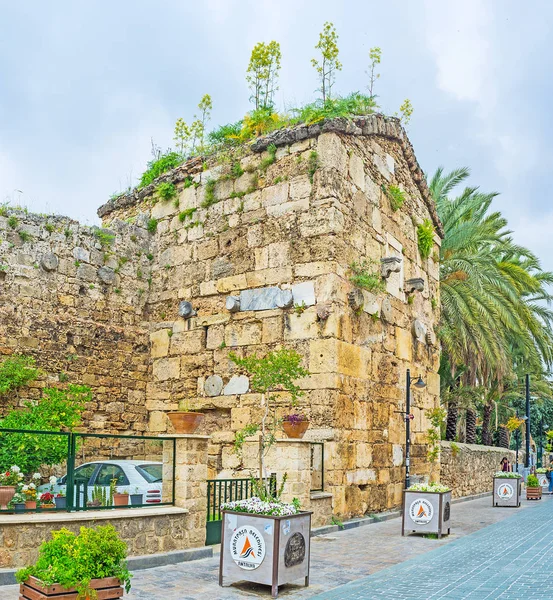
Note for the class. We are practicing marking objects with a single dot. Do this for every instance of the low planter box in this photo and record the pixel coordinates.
(426, 512)
(506, 491)
(265, 549)
(533, 493)
(107, 588)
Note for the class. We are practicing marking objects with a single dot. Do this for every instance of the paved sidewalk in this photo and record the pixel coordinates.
(350, 556)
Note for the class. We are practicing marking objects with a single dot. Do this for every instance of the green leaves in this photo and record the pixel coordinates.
(366, 276)
(278, 370)
(166, 190)
(74, 560)
(161, 165)
(57, 410)
(17, 371)
(425, 238)
(396, 196)
(262, 73)
(328, 63)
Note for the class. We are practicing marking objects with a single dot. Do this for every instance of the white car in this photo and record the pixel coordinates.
(133, 476)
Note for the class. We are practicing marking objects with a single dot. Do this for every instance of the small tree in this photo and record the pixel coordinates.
(277, 371)
(328, 64)
(181, 136)
(375, 56)
(262, 73)
(17, 371)
(197, 129)
(406, 111)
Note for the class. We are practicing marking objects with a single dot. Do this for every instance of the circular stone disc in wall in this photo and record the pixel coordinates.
(49, 262)
(213, 385)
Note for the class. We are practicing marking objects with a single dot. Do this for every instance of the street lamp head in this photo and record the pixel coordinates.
(420, 384)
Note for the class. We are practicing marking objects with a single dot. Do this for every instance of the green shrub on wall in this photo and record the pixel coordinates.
(425, 236)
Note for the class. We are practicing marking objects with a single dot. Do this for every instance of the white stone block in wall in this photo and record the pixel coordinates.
(397, 455)
(390, 163)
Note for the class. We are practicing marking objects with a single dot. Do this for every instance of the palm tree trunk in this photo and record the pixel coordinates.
(503, 437)
(470, 436)
(486, 420)
(451, 424)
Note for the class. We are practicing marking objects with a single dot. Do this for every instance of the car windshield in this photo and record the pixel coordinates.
(151, 473)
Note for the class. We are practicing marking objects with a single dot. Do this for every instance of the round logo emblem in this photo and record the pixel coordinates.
(505, 491)
(421, 511)
(543, 481)
(247, 547)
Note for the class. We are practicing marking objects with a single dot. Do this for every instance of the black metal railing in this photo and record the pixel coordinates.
(78, 490)
(317, 466)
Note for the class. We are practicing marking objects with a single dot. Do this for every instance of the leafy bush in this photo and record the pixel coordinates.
(186, 214)
(209, 198)
(365, 277)
(166, 190)
(55, 411)
(225, 135)
(532, 481)
(17, 371)
(425, 236)
(161, 165)
(74, 560)
(104, 236)
(355, 104)
(152, 225)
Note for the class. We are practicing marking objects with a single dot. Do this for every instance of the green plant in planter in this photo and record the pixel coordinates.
(436, 416)
(73, 560)
(532, 481)
(508, 475)
(275, 372)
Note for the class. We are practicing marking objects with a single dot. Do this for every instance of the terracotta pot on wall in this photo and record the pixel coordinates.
(30, 504)
(295, 430)
(7, 492)
(185, 422)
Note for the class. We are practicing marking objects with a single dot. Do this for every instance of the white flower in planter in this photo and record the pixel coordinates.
(31, 486)
(37, 476)
(53, 480)
(15, 469)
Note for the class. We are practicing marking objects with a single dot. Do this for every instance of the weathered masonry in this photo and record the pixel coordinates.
(255, 254)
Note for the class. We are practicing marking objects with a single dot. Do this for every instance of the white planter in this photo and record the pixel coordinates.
(506, 491)
(264, 549)
(544, 482)
(426, 512)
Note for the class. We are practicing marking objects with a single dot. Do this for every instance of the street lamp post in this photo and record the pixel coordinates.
(517, 434)
(527, 457)
(419, 384)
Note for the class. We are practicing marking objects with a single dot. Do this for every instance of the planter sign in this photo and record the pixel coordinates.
(265, 549)
(247, 547)
(544, 482)
(506, 491)
(426, 512)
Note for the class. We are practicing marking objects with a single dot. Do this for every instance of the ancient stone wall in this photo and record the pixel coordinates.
(468, 468)
(74, 299)
(261, 248)
(144, 535)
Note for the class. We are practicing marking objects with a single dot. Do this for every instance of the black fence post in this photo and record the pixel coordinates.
(70, 480)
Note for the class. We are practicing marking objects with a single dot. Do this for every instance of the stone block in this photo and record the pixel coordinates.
(357, 171)
(231, 284)
(187, 342)
(238, 384)
(288, 207)
(243, 334)
(404, 344)
(274, 195)
(332, 153)
(304, 293)
(300, 187)
(159, 341)
(166, 368)
(215, 336)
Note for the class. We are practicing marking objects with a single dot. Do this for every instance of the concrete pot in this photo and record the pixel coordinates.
(426, 512)
(506, 491)
(7, 492)
(185, 422)
(265, 549)
(137, 498)
(61, 502)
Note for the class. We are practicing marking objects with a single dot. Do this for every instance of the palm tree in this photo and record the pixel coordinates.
(495, 315)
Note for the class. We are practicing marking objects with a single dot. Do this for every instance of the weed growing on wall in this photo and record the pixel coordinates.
(396, 196)
(105, 237)
(166, 190)
(152, 225)
(366, 275)
(209, 198)
(269, 159)
(312, 165)
(160, 165)
(425, 237)
(186, 214)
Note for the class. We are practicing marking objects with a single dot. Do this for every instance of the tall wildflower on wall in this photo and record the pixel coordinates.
(262, 73)
(181, 136)
(375, 56)
(197, 129)
(328, 63)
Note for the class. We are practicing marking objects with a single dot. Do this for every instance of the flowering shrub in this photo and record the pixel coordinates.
(29, 491)
(47, 498)
(507, 475)
(256, 506)
(429, 487)
(12, 476)
(295, 418)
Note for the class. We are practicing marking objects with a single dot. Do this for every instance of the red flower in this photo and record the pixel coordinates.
(47, 498)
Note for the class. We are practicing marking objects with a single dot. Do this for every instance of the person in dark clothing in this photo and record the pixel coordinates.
(505, 465)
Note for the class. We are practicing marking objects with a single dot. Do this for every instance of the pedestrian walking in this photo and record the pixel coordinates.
(549, 478)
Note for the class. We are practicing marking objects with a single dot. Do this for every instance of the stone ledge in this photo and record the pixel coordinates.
(320, 495)
(184, 436)
(89, 515)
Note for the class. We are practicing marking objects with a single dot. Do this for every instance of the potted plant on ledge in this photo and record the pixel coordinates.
(295, 425)
(426, 509)
(263, 539)
(47, 501)
(88, 565)
(506, 489)
(533, 488)
(185, 420)
(10, 480)
(137, 498)
(541, 474)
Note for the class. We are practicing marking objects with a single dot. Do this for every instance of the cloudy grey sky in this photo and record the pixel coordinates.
(85, 86)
